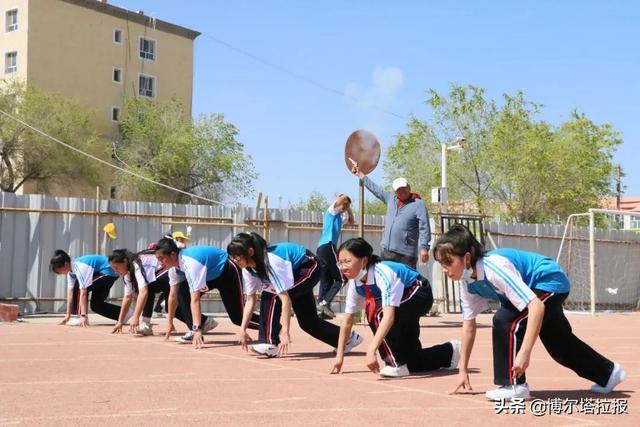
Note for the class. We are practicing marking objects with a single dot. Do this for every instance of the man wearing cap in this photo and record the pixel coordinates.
(406, 226)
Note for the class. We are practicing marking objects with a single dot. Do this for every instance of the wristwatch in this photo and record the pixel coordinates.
(196, 328)
(83, 315)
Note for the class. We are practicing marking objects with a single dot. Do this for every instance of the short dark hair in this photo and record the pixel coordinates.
(360, 248)
(348, 198)
(59, 259)
(166, 246)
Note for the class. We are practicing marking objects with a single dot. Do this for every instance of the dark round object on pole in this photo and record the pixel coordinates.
(363, 148)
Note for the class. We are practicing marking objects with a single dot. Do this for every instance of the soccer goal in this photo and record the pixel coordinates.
(600, 251)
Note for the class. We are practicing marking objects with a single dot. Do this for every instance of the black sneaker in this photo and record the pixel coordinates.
(325, 312)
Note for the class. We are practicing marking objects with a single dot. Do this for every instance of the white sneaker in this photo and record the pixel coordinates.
(268, 350)
(394, 371)
(209, 324)
(145, 330)
(617, 376)
(507, 392)
(185, 339)
(455, 356)
(74, 321)
(355, 339)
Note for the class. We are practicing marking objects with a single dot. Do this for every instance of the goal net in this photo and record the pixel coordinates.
(600, 251)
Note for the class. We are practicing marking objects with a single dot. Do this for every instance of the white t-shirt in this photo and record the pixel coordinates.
(385, 284)
(496, 278)
(280, 277)
(150, 265)
(176, 276)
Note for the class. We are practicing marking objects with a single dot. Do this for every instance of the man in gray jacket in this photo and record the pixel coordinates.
(406, 228)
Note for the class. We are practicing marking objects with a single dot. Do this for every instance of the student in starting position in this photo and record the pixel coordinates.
(205, 268)
(531, 289)
(161, 304)
(395, 296)
(286, 274)
(88, 273)
(143, 275)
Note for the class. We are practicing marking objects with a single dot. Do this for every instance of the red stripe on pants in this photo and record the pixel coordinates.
(512, 337)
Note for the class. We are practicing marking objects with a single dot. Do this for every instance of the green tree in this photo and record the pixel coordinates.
(28, 156)
(547, 172)
(521, 154)
(416, 154)
(514, 164)
(315, 202)
(374, 206)
(584, 168)
(201, 156)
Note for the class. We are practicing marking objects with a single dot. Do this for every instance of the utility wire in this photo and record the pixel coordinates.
(91, 156)
(297, 75)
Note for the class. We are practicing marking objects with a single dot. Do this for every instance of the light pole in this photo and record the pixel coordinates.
(457, 147)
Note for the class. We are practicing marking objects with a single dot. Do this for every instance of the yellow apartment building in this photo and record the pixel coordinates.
(97, 53)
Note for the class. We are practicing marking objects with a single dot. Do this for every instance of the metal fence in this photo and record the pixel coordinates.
(33, 226)
(617, 270)
(450, 289)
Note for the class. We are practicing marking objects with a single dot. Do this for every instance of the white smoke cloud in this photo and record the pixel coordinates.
(372, 100)
(381, 93)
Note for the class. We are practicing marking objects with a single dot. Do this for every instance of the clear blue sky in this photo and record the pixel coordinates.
(564, 54)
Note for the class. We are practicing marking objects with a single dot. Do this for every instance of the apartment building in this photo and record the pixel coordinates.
(96, 53)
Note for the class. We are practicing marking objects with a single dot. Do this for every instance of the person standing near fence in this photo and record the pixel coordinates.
(394, 297)
(531, 290)
(407, 232)
(331, 279)
(285, 273)
(88, 273)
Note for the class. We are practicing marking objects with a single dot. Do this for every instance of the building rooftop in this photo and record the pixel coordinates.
(139, 17)
(629, 204)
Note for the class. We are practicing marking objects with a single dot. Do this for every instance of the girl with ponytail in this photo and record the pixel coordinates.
(531, 289)
(394, 297)
(285, 273)
(194, 271)
(142, 275)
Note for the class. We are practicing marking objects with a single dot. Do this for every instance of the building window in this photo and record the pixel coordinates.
(117, 75)
(10, 62)
(147, 86)
(117, 35)
(147, 49)
(12, 20)
(115, 114)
